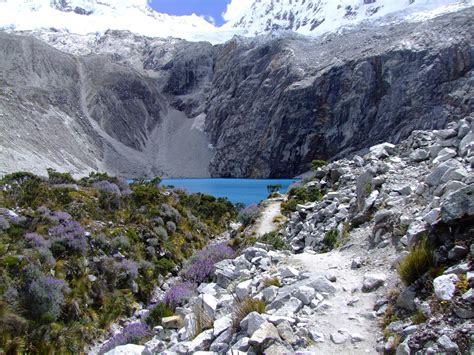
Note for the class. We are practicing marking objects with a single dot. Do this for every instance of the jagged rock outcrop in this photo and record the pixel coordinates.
(138, 106)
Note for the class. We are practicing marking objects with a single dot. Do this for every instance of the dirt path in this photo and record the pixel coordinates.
(349, 317)
(265, 223)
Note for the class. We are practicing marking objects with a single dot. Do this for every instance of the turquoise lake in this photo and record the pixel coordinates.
(246, 191)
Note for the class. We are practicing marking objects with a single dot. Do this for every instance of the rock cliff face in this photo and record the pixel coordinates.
(276, 105)
(138, 106)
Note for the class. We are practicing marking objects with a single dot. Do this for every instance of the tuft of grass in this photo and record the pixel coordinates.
(388, 317)
(419, 261)
(203, 321)
(462, 285)
(274, 239)
(316, 164)
(273, 281)
(418, 317)
(278, 218)
(245, 307)
(330, 240)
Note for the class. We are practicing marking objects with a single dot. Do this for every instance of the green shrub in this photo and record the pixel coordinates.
(246, 306)
(157, 313)
(274, 239)
(419, 261)
(330, 239)
(59, 178)
(316, 164)
(299, 195)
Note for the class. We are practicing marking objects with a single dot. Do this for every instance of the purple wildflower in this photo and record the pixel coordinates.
(248, 215)
(106, 186)
(179, 294)
(132, 333)
(71, 234)
(201, 265)
(60, 217)
(35, 240)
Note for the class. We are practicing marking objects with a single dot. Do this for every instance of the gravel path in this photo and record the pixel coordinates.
(349, 320)
(265, 223)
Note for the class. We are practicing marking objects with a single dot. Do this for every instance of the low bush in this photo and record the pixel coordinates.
(330, 240)
(275, 240)
(248, 215)
(316, 164)
(298, 195)
(418, 262)
(246, 306)
(157, 313)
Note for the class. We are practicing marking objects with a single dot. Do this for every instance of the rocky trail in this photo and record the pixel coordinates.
(346, 320)
(266, 222)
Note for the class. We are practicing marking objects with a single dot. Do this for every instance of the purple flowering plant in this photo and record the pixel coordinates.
(201, 265)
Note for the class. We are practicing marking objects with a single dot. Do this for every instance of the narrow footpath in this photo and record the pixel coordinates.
(266, 222)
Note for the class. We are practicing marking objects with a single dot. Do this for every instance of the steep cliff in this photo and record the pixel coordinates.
(276, 105)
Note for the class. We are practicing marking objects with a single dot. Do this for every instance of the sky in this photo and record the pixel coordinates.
(215, 11)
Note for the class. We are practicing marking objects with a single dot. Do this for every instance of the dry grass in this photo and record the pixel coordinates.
(272, 281)
(246, 306)
(419, 261)
(203, 321)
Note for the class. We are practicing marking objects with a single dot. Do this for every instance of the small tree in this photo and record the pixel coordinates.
(273, 188)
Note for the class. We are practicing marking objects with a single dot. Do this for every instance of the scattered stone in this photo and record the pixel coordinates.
(445, 286)
(457, 252)
(289, 271)
(286, 333)
(270, 293)
(372, 282)
(173, 322)
(458, 204)
(382, 150)
(444, 154)
(305, 294)
(356, 263)
(222, 324)
(252, 322)
(338, 337)
(202, 342)
(321, 284)
(266, 334)
(356, 338)
(447, 344)
(242, 290)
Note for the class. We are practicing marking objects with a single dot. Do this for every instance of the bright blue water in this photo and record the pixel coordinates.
(246, 191)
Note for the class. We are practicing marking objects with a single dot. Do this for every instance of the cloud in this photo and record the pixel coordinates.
(209, 19)
(236, 9)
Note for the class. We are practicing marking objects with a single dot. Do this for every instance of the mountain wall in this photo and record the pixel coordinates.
(262, 107)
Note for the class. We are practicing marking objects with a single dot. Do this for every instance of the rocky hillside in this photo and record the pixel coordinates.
(263, 107)
(379, 260)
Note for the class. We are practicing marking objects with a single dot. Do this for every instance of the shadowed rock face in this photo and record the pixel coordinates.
(271, 105)
(277, 105)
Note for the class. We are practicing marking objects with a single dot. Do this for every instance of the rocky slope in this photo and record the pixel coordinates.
(119, 102)
(339, 288)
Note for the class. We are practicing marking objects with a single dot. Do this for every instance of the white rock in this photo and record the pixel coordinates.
(447, 344)
(289, 271)
(129, 349)
(270, 293)
(209, 304)
(445, 286)
(222, 324)
(202, 341)
(338, 337)
(305, 294)
(432, 217)
(382, 150)
(252, 322)
(292, 306)
(265, 334)
(242, 290)
(372, 282)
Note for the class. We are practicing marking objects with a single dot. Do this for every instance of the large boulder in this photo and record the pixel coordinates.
(372, 282)
(458, 204)
(265, 335)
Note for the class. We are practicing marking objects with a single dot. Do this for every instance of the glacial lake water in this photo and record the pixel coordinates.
(246, 191)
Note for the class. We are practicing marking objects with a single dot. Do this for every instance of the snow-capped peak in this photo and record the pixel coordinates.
(313, 17)
(245, 17)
